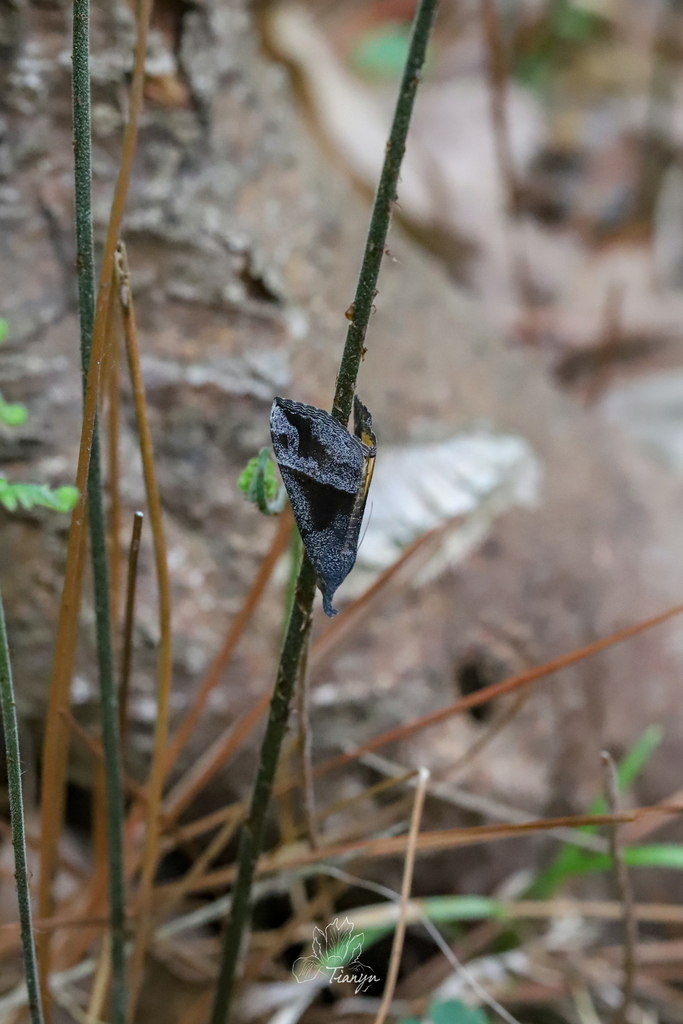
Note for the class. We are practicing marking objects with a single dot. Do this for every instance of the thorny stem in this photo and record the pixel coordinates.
(98, 535)
(16, 805)
(296, 637)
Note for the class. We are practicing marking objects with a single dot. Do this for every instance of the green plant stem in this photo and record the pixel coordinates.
(85, 262)
(253, 830)
(16, 806)
(385, 199)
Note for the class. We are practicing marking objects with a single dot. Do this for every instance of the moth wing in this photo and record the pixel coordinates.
(326, 472)
(323, 516)
(311, 442)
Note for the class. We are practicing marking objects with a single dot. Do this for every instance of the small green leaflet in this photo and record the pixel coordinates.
(28, 496)
(259, 483)
(12, 414)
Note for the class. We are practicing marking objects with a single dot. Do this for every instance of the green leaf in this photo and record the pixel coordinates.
(454, 1011)
(409, 1020)
(259, 483)
(442, 909)
(459, 908)
(247, 475)
(657, 855)
(66, 498)
(3, 330)
(13, 414)
(246, 478)
(29, 496)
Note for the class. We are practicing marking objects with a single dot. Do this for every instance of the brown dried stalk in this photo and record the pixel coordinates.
(165, 665)
(427, 842)
(111, 375)
(408, 868)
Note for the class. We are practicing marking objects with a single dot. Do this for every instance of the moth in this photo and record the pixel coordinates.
(327, 472)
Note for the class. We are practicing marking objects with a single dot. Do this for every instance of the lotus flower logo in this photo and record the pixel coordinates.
(335, 954)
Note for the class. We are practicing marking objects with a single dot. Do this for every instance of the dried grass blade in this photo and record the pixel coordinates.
(111, 389)
(408, 868)
(286, 860)
(56, 742)
(165, 664)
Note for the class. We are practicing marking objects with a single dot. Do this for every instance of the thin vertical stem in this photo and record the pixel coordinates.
(16, 805)
(253, 830)
(57, 732)
(55, 749)
(385, 199)
(111, 387)
(624, 887)
(252, 833)
(295, 551)
(408, 868)
(165, 666)
(85, 262)
(101, 981)
(305, 744)
(113, 775)
(127, 650)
